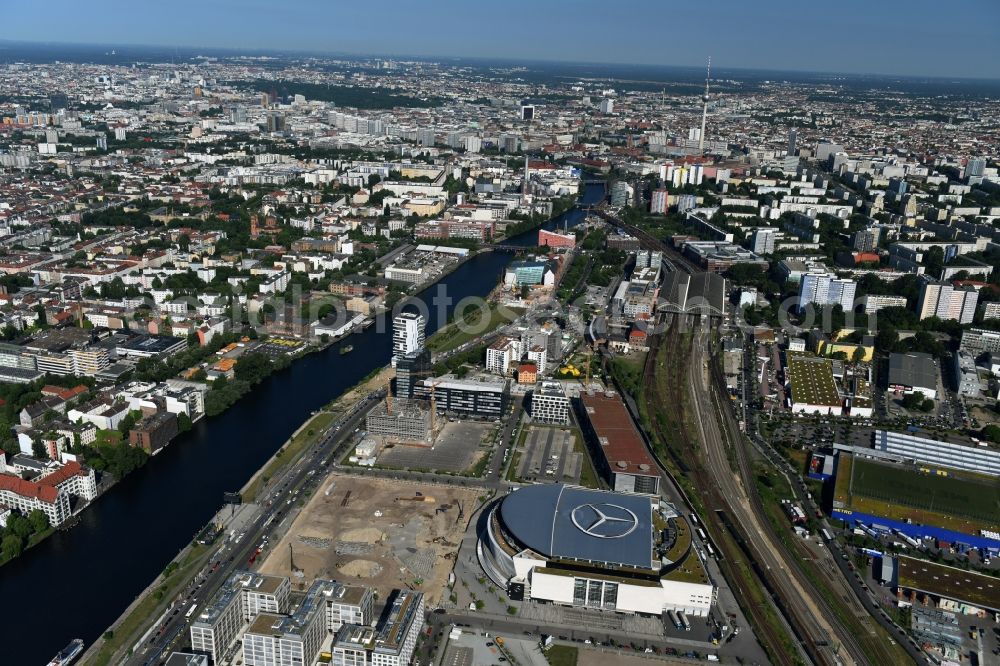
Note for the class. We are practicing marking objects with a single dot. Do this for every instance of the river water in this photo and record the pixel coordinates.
(76, 583)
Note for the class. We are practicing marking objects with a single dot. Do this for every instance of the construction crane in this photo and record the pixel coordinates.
(433, 385)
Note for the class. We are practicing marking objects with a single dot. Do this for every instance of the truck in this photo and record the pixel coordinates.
(684, 620)
(675, 620)
(826, 535)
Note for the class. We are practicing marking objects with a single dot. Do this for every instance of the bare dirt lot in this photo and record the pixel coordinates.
(384, 533)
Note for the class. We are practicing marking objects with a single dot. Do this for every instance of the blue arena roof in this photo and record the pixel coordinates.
(566, 522)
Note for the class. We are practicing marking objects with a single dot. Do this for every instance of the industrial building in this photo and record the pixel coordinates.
(913, 372)
(702, 295)
(593, 549)
(812, 386)
(616, 446)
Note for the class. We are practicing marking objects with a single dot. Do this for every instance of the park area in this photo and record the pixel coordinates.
(384, 533)
(949, 499)
(472, 325)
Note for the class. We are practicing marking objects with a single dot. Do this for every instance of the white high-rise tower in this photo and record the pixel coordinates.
(407, 334)
(704, 107)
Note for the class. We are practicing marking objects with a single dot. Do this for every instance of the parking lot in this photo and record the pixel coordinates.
(457, 448)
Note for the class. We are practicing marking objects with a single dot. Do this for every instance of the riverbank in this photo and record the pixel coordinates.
(157, 510)
(311, 430)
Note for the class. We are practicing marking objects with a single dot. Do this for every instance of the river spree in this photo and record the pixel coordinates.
(76, 583)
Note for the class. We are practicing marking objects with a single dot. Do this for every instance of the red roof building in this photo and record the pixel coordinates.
(619, 449)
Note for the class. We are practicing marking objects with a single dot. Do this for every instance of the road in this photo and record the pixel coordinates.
(860, 596)
(280, 493)
(817, 618)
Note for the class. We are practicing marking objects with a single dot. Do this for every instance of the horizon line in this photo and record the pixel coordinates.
(510, 59)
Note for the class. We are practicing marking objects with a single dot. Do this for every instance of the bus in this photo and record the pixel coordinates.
(701, 533)
(711, 551)
(826, 535)
(191, 611)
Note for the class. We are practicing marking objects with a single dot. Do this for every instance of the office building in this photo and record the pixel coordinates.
(550, 404)
(407, 334)
(402, 421)
(792, 149)
(762, 240)
(243, 596)
(607, 106)
(481, 397)
(528, 273)
(411, 369)
(391, 643)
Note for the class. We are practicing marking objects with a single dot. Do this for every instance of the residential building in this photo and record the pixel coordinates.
(944, 301)
(407, 334)
(875, 302)
(290, 640)
(502, 354)
(762, 240)
(659, 202)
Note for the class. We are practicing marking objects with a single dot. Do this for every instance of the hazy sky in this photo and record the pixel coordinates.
(916, 37)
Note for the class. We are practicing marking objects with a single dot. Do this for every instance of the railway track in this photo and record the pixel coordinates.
(735, 563)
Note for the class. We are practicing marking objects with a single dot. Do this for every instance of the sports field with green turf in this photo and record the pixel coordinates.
(931, 497)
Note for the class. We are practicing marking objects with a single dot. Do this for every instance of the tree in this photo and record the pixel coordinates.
(10, 547)
(19, 526)
(38, 449)
(39, 521)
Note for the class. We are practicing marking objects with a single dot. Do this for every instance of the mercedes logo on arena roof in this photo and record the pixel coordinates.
(604, 521)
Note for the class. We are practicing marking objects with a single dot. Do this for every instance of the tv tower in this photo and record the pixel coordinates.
(704, 107)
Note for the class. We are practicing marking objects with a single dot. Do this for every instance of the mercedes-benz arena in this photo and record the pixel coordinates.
(593, 548)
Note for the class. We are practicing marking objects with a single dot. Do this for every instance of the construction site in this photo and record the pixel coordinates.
(379, 532)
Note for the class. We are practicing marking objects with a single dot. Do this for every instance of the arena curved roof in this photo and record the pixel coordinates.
(567, 522)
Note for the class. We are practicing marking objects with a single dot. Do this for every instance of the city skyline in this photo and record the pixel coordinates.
(778, 37)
